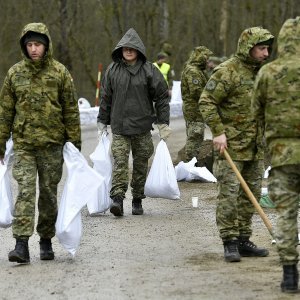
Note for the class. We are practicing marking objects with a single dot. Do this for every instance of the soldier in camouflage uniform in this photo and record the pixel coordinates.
(225, 106)
(38, 106)
(276, 103)
(193, 80)
(131, 88)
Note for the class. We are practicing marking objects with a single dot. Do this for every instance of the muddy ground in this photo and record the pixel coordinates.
(171, 252)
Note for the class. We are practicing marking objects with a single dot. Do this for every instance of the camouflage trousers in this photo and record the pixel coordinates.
(142, 148)
(284, 190)
(194, 139)
(234, 209)
(30, 164)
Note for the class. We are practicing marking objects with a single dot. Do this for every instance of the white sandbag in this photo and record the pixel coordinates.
(6, 196)
(82, 185)
(188, 172)
(161, 181)
(83, 103)
(102, 164)
(202, 174)
(183, 169)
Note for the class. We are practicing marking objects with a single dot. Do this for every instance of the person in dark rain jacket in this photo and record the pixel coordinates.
(134, 95)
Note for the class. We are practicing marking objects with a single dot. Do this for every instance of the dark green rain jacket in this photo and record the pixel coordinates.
(38, 101)
(276, 97)
(133, 96)
(225, 102)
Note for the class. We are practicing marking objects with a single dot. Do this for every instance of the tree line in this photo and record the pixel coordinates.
(84, 32)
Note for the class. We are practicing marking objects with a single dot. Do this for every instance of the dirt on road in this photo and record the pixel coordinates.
(171, 252)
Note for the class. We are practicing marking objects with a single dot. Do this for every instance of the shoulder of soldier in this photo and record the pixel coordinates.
(191, 70)
(271, 66)
(59, 66)
(191, 66)
(229, 64)
(150, 70)
(275, 69)
(60, 70)
(18, 67)
(226, 73)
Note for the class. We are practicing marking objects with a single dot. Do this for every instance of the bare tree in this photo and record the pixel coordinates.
(224, 25)
(85, 32)
(63, 45)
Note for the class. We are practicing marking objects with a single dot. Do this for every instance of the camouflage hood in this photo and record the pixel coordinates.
(199, 56)
(39, 28)
(131, 40)
(248, 39)
(289, 38)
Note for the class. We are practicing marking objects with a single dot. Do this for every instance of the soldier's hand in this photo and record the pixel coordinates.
(220, 142)
(164, 131)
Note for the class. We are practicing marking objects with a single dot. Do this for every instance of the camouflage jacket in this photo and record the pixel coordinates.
(193, 80)
(276, 97)
(225, 101)
(38, 101)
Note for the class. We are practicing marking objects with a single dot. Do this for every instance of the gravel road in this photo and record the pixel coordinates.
(171, 252)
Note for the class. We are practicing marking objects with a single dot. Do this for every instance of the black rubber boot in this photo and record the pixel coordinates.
(231, 252)
(46, 251)
(137, 208)
(21, 252)
(290, 279)
(116, 207)
(248, 248)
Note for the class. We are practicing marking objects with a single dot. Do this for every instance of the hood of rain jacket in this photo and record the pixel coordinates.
(130, 39)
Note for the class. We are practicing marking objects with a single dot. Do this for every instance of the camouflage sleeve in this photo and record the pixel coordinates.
(195, 82)
(215, 92)
(258, 99)
(71, 114)
(7, 113)
(105, 99)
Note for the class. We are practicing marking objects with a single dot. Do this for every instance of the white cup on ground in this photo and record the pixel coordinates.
(195, 201)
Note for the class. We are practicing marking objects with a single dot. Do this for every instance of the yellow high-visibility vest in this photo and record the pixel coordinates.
(164, 69)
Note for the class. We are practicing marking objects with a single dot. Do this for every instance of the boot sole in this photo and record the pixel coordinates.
(287, 291)
(137, 213)
(251, 254)
(232, 259)
(48, 257)
(18, 259)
